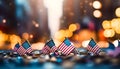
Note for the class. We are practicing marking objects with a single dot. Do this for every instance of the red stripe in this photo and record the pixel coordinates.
(61, 46)
(66, 49)
(29, 50)
(70, 49)
(21, 51)
(15, 49)
(89, 48)
(46, 50)
(53, 49)
(95, 49)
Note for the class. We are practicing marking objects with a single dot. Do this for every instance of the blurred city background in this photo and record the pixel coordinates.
(41, 20)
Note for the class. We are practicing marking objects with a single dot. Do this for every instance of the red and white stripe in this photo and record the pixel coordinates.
(21, 51)
(53, 49)
(15, 49)
(29, 50)
(46, 50)
(66, 50)
(95, 49)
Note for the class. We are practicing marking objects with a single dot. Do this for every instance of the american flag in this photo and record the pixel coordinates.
(25, 48)
(66, 47)
(16, 47)
(93, 47)
(49, 47)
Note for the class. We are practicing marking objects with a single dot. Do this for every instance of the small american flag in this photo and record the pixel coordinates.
(66, 47)
(21, 50)
(93, 47)
(25, 48)
(16, 47)
(49, 47)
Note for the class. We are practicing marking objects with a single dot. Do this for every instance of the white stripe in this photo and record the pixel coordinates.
(69, 49)
(95, 49)
(66, 49)
(21, 51)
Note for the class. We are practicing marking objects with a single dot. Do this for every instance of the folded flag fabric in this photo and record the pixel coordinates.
(93, 47)
(66, 47)
(25, 48)
(49, 47)
(16, 47)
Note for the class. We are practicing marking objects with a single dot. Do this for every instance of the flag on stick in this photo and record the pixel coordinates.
(49, 47)
(93, 47)
(66, 47)
(16, 47)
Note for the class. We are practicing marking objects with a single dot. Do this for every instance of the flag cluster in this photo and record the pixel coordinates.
(25, 48)
(66, 47)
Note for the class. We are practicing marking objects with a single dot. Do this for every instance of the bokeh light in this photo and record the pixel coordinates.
(36, 25)
(106, 24)
(115, 23)
(97, 4)
(14, 39)
(97, 14)
(61, 34)
(109, 33)
(73, 27)
(117, 30)
(25, 36)
(115, 42)
(68, 33)
(85, 43)
(3, 38)
(103, 44)
(31, 36)
(86, 35)
(117, 12)
(4, 20)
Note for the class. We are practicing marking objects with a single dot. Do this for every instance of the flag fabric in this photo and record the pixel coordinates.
(16, 47)
(49, 47)
(93, 47)
(25, 48)
(66, 47)
(21, 50)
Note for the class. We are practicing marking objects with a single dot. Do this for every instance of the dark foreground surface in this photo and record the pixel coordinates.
(8, 60)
